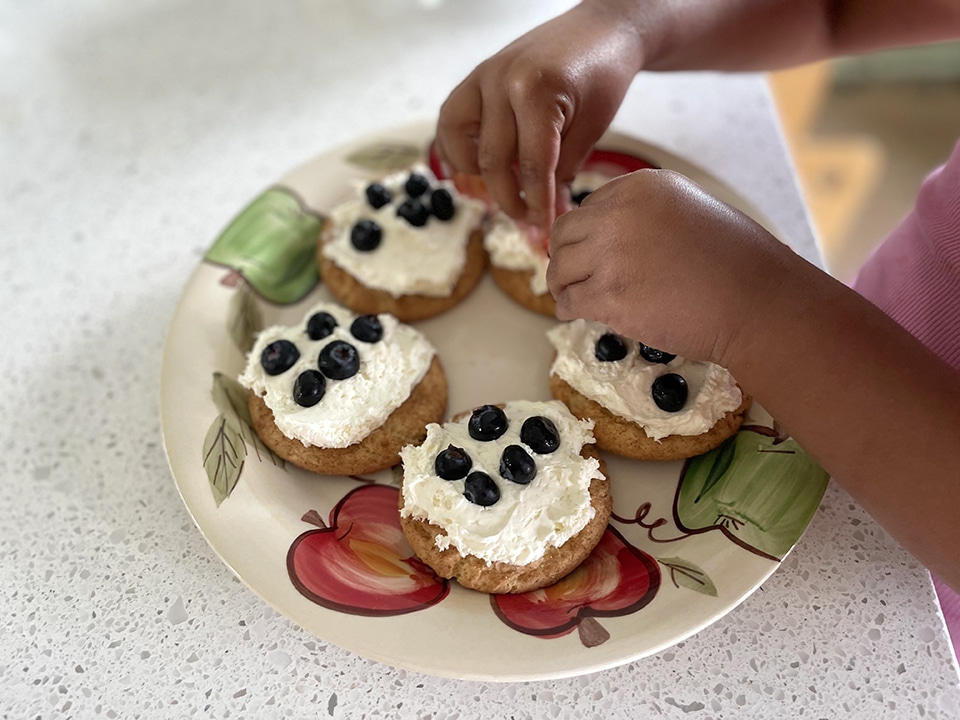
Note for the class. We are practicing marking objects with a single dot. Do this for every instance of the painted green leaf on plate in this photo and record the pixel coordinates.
(386, 156)
(230, 397)
(223, 454)
(760, 490)
(272, 243)
(686, 574)
(226, 445)
(244, 319)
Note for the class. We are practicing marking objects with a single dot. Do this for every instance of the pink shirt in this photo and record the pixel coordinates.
(914, 277)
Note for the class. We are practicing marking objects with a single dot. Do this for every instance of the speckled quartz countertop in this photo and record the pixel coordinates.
(130, 133)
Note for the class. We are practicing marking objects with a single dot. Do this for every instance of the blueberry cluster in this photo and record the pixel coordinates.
(421, 202)
(338, 360)
(669, 390)
(486, 424)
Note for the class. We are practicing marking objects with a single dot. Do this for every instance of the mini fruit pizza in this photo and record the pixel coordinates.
(506, 499)
(646, 404)
(518, 253)
(341, 393)
(408, 245)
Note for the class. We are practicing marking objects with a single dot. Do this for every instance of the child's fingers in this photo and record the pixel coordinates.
(577, 144)
(458, 127)
(571, 303)
(564, 307)
(496, 152)
(571, 262)
(564, 201)
(539, 130)
(568, 229)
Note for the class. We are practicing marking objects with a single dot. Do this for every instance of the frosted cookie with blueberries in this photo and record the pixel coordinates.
(340, 393)
(506, 499)
(409, 245)
(646, 404)
(518, 253)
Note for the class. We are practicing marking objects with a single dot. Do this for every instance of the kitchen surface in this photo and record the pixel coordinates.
(132, 135)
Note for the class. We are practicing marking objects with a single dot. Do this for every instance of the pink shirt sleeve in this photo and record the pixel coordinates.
(914, 276)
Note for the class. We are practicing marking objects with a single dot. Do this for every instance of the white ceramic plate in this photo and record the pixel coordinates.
(689, 542)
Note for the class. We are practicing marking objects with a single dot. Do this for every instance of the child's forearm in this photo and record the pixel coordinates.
(878, 410)
(764, 35)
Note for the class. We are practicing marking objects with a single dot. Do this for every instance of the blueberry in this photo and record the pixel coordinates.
(279, 356)
(320, 325)
(416, 185)
(610, 348)
(366, 235)
(367, 328)
(308, 388)
(540, 434)
(441, 203)
(339, 360)
(452, 463)
(655, 356)
(669, 392)
(579, 197)
(487, 423)
(378, 195)
(414, 212)
(480, 489)
(516, 465)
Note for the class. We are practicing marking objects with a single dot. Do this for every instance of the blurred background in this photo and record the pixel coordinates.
(864, 132)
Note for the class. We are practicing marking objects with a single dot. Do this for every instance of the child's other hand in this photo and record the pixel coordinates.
(659, 260)
(526, 118)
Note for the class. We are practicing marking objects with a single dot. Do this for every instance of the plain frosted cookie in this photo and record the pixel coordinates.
(506, 498)
(518, 253)
(646, 404)
(408, 244)
(518, 263)
(340, 393)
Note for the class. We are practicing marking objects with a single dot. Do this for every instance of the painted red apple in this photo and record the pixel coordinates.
(360, 563)
(616, 579)
(614, 163)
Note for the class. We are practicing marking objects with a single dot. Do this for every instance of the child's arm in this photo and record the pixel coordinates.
(527, 117)
(658, 259)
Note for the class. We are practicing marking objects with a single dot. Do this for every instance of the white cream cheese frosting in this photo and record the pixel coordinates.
(352, 408)
(527, 519)
(511, 247)
(587, 182)
(410, 260)
(624, 386)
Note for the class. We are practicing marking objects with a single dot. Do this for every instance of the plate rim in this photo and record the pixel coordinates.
(166, 393)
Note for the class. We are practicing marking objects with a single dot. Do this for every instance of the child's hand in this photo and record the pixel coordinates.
(526, 118)
(661, 261)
